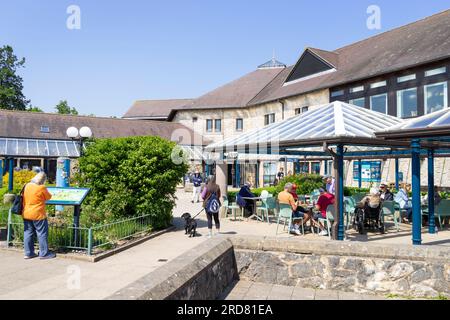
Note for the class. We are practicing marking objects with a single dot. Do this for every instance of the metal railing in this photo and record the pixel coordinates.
(81, 238)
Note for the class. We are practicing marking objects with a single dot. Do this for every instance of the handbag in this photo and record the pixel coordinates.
(17, 207)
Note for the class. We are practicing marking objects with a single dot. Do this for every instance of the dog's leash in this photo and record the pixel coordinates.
(197, 214)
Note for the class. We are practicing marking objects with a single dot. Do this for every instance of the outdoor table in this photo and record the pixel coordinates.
(254, 199)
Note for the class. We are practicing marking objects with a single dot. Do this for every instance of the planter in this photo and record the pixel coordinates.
(3, 233)
(8, 198)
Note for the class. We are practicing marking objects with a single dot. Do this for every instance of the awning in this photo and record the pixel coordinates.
(38, 148)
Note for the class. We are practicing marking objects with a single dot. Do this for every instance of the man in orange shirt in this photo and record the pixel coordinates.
(286, 197)
(35, 218)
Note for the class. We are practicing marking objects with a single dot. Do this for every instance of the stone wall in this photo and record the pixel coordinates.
(354, 267)
(199, 274)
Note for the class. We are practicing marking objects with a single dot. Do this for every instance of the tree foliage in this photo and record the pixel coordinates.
(130, 176)
(11, 96)
(63, 108)
(34, 109)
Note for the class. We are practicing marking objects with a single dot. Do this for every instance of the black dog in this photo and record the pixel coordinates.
(190, 226)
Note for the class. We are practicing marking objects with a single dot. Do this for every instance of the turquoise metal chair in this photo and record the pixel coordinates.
(263, 209)
(271, 206)
(329, 219)
(349, 210)
(389, 209)
(233, 207)
(285, 213)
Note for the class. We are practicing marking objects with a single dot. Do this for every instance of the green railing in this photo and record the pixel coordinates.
(81, 238)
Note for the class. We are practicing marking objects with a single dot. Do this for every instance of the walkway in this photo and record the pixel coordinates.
(57, 279)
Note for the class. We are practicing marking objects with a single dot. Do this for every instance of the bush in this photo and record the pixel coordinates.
(129, 177)
(20, 178)
(306, 183)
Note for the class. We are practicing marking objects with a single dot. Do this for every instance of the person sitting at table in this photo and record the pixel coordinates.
(300, 209)
(385, 193)
(285, 197)
(403, 201)
(373, 200)
(243, 203)
(325, 199)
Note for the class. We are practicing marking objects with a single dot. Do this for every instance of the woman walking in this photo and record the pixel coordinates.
(35, 218)
(211, 203)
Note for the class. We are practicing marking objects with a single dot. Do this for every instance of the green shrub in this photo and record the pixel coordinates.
(20, 178)
(306, 183)
(129, 177)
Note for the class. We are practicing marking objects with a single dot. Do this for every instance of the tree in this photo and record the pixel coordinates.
(128, 177)
(34, 109)
(11, 96)
(63, 108)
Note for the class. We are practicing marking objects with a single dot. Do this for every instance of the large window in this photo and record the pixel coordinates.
(209, 125)
(239, 124)
(270, 172)
(407, 103)
(435, 97)
(360, 102)
(337, 93)
(218, 125)
(269, 118)
(315, 167)
(379, 103)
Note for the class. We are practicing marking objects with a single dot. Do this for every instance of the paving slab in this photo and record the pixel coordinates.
(303, 294)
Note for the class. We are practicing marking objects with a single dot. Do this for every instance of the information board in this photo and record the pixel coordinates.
(370, 171)
(67, 196)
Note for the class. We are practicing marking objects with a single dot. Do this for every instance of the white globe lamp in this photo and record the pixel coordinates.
(85, 132)
(72, 132)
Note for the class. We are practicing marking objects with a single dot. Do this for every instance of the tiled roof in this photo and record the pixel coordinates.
(22, 124)
(154, 108)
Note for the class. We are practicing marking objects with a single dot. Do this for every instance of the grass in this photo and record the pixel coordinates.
(441, 296)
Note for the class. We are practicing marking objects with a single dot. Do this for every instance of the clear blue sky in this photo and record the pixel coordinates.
(129, 50)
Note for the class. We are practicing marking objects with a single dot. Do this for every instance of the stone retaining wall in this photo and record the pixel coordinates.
(202, 273)
(421, 271)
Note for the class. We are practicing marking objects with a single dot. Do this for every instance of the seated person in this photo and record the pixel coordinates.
(247, 204)
(325, 199)
(385, 193)
(285, 197)
(373, 200)
(300, 209)
(403, 201)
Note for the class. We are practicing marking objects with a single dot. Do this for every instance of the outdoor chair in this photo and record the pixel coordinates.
(329, 219)
(263, 209)
(285, 213)
(271, 206)
(388, 209)
(349, 210)
(441, 211)
(233, 207)
(358, 197)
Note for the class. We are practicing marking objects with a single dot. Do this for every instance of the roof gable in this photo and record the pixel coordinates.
(309, 64)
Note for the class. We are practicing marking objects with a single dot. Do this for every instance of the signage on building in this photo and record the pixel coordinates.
(232, 155)
(370, 171)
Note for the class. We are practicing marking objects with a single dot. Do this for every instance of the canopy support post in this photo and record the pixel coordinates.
(11, 175)
(258, 165)
(359, 174)
(339, 169)
(431, 223)
(397, 176)
(237, 172)
(416, 209)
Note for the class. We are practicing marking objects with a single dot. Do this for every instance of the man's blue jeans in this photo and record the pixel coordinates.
(41, 229)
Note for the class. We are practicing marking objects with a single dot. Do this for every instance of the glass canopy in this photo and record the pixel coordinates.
(38, 148)
(329, 121)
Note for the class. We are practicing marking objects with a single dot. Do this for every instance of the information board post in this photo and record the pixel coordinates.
(62, 175)
(70, 197)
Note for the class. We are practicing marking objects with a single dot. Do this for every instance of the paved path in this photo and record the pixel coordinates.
(246, 290)
(54, 279)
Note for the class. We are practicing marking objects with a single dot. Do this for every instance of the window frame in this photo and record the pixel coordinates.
(379, 95)
(435, 70)
(425, 102)
(362, 98)
(44, 129)
(241, 120)
(215, 125)
(211, 127)
(406, 78)
(399, 97)
(378, 84)
(268, 117)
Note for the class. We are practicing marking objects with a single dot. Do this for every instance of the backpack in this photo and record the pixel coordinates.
(17, 207)
(213, 204)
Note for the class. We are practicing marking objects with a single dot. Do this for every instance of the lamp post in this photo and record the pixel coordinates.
(79, 135)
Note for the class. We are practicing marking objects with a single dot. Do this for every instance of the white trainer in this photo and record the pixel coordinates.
(323, 233)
